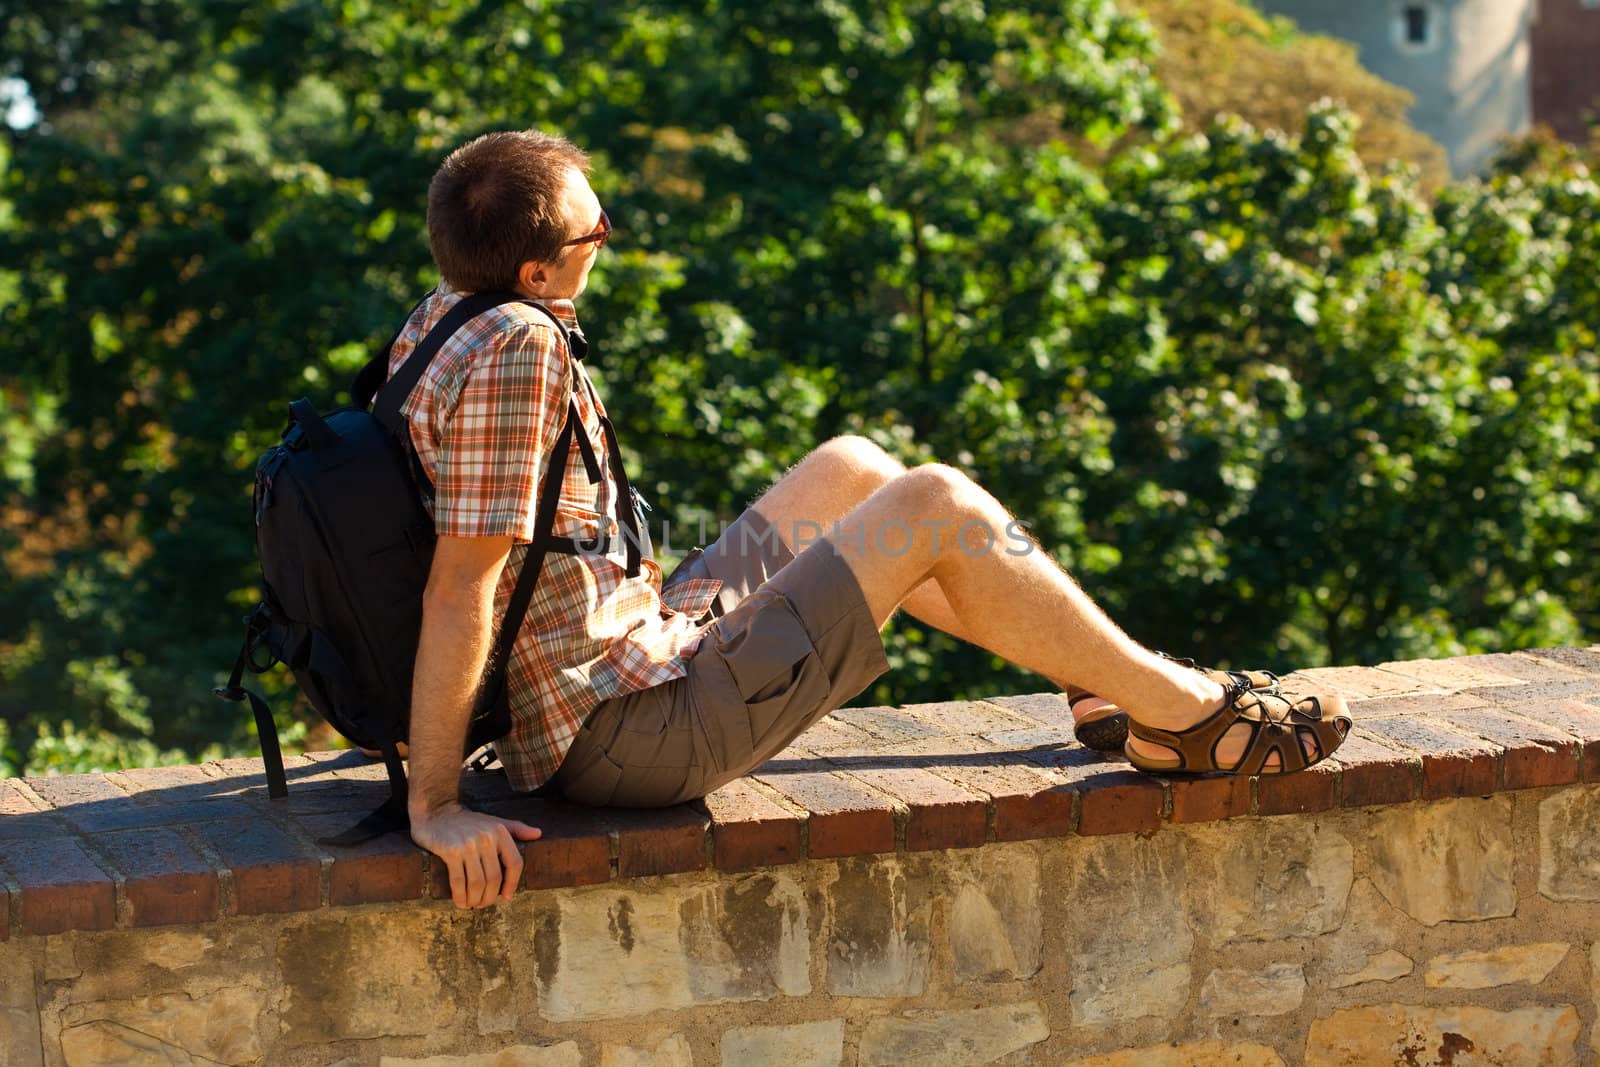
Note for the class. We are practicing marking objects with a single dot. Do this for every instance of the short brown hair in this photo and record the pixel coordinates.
(497, 202)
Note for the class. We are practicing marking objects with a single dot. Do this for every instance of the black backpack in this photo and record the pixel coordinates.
(345, 544)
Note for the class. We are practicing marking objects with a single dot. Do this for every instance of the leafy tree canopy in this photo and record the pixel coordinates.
(1271, 407)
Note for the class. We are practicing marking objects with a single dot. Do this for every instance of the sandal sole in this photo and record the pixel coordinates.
(1103, 735)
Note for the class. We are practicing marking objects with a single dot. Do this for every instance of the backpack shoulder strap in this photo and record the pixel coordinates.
(386, 404)
(370, 378)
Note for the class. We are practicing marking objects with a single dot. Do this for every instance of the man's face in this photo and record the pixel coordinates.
(567, 276)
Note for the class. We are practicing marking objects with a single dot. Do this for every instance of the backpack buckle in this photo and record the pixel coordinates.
(487, 757)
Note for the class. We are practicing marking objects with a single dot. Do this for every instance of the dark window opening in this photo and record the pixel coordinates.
(1416, 16)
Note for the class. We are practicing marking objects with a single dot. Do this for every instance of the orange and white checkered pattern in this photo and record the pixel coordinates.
(482, 420)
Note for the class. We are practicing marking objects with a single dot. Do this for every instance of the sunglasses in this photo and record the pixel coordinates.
(599, 237)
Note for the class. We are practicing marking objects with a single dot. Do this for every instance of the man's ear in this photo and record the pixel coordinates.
(532, 278)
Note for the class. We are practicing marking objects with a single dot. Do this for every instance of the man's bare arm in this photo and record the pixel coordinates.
(457, 630)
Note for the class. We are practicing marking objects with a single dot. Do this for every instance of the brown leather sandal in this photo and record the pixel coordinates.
(1105, 729)
(1276, 725)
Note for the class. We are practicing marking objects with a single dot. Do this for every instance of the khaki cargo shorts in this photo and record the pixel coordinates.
(789, 640)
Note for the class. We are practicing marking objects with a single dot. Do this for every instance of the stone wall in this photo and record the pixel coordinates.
(1432, 898)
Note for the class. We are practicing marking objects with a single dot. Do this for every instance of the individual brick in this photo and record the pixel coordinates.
(1453, 764)
(1113, 798)
(1528, 668)
(1354, 683)
(964, 717)
(1046, 709)
(830, 734)
(573, 847)
(1209, 799)
(1579, 718)
(1536, 754)
(272, 871)
(246, 776)
(60, 886)
(846, 818)
(1373, 773)
(750, 829)
(1419, 704)
(938, 813)
(661, 841)
(69, 790)
(1314, 789)
(130, 814)
(1019, 742)
(884, 724)
(165, 785)
(1449, 675)
(383, 869)
(167, 881)
(20, 820)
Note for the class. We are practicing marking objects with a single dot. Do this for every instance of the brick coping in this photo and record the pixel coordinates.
(171, 845)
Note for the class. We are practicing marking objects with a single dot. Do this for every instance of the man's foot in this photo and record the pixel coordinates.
(1101, 725)
(1241, 730)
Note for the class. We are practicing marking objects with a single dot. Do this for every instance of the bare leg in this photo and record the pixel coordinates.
(1021, 606)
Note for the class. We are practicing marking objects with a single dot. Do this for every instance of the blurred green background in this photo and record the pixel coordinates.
(1276, 399)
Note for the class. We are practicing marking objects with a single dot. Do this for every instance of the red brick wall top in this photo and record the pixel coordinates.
(193, 844)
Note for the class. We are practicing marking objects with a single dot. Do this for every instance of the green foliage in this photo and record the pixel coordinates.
(1269, 407)
(1225, 57)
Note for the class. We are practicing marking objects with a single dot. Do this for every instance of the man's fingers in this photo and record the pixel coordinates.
(458, 881)
(511, 859)
(474, 865)
(521, 830)
(489, 858)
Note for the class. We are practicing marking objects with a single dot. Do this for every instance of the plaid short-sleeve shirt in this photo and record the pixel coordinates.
(483, 419)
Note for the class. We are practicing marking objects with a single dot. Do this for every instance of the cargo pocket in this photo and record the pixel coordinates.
(775, 668)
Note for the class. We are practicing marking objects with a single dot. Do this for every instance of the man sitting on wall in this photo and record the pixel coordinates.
(637, 692)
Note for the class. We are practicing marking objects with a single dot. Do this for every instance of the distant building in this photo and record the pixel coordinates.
(1466, 61)
(1566, 65)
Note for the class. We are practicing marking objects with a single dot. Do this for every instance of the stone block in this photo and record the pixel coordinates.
(1266, 881)
(19, 1009)
(1278, 990)
(1407, 1033)
(952, 1038)
(178, 1028)
(1192, 1054)
(1569, 847)
(1384, 967)
(670, 1052)
(364, 974)
(818, 1044)
(1505, 965)
(566, 1054)
(995, 922)
(878, 930)
(605, 953)
(1450, 860)
(1128, 940)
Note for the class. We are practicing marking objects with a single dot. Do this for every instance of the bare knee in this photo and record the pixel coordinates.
(942, 489)
(856, 459)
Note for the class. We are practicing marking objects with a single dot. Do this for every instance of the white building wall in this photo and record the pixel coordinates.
(1470, 77)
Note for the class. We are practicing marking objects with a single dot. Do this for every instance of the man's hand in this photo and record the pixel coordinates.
(480, 851)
